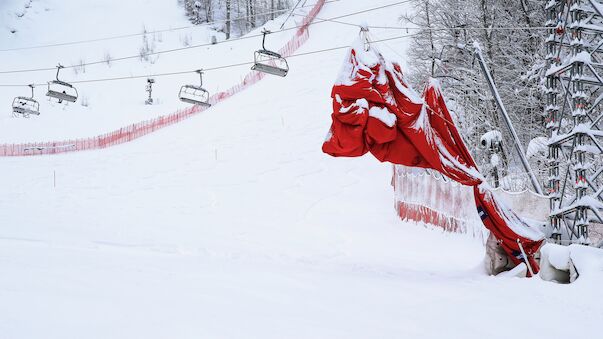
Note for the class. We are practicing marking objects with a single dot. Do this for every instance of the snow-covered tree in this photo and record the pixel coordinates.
(234, 17)
(444, 50)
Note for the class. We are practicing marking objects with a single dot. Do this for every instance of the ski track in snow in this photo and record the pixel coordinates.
(233, 224)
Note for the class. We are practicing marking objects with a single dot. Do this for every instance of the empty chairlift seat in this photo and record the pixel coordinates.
(26, 106)
(193, 94)
(270, 62)
(61, 90)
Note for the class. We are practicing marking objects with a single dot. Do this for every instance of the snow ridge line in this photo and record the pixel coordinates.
(137, 130)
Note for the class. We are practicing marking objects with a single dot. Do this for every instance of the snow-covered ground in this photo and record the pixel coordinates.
(233, 224)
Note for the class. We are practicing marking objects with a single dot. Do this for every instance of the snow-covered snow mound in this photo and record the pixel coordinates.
(568, 263)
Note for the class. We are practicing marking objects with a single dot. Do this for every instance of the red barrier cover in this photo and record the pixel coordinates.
(375, 111)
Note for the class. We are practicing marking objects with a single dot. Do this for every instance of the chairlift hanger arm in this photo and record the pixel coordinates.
(59, 67)
(264, 33)
(200, 72)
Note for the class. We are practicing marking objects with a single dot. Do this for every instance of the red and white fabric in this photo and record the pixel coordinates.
(375, 111)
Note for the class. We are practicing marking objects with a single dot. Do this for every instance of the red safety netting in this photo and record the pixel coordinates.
(137, 130)
(428, 197)
(375, 111)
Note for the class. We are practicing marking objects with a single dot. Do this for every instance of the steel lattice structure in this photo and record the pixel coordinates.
(573, 87)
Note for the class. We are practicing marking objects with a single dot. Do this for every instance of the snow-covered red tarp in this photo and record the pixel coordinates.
(375, 111)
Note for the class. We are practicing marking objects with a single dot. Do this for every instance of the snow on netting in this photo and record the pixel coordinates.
(426, 196)
(137, 130)
(526, 203)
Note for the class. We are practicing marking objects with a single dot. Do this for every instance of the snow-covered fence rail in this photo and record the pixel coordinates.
(137, 130)
(425, 196)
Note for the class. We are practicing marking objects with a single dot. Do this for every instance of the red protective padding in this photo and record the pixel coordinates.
(375, 111)
(424, 214)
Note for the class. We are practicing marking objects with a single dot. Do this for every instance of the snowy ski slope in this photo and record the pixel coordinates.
(113, 104)
(233, 224)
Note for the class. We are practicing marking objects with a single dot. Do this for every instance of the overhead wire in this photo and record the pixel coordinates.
(388, 46)
(173, 29)
(497, 28)
(290, 14)
(424, 28)
(199, 45)
(211, 68)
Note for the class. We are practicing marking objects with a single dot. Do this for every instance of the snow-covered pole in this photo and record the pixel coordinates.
(525, 258)
(507, 119)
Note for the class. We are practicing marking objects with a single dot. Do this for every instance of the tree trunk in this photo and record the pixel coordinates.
(228, 23)
(252, 13)
(247, 15)
(208, 12)
(430, 32)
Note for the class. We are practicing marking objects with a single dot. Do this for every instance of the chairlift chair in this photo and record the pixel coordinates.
(26, 106)
(196, 95)
(61, 90)
(268, 61)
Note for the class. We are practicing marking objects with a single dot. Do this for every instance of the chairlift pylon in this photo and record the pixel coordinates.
(268, 61)
(26, 106)
(61, 90)
(196, 95)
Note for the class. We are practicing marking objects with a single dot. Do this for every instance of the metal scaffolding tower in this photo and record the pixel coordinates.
(573, 87)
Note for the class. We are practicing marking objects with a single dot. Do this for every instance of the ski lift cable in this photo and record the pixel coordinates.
(233, 65)
(199, 45)
(290, 14)
(423, 28)
(123, 36)
(387, 45)
(138, 56)
(211, 68)
(499, 28)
